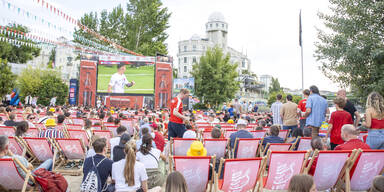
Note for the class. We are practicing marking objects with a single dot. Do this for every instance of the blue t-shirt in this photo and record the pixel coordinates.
(230, 111)
(243, 134)
(318, 106)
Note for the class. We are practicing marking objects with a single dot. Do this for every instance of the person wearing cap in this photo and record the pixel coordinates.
(197, 150)
(351, 137)
(119, 81)
(241, 133)
(50, 131)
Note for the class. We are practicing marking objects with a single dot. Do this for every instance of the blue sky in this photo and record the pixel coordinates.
(266, 30)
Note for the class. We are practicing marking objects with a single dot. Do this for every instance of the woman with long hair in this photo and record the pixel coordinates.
(22, 129)
(302, 183)
(374, 120)
(150, 157)
(129, 174)
(176, 183)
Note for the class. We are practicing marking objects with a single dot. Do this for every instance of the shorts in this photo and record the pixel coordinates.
(375, 138)
(175, 130)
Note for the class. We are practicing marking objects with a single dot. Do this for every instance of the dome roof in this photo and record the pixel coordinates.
(216, 16)
(195, 37)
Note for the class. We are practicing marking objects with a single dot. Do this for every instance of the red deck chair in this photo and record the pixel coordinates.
(112, 129)
(181, 146)
(195, 171)
(10, 178)
(78, 121)
(206, 134)
(216, 147)
(15, 147)
(129, 125)
(32, 132)
(95, 121)
(104, 134)
(106, 124)
(282, 166)
(304, 144)
(3, 116)
(284, 134)
(19, 117)
(73, 126)
(71, 150)
(369, 165)
(228, 132)
(7, 131)
(239, 174)
(78, 134)
(246, 148)
(60, 127)
(40, 148)
(277, 147)
(258, 134)
(328, 168)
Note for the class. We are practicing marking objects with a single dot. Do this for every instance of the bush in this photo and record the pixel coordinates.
(272, 98)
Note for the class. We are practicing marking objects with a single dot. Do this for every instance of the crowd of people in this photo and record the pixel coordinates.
(135, 158)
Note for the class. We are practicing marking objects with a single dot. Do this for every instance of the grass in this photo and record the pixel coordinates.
(143, 76)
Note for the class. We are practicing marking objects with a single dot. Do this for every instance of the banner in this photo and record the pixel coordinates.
(184, 83)
(72, 99)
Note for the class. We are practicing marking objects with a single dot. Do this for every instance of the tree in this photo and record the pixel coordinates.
(215, 77)
(272, 98)
(42, 83)
(7, 80)
(141, 28)
(352, 54)
(275, 85)
(17, 53)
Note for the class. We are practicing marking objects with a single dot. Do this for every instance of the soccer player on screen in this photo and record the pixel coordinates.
(119, 80)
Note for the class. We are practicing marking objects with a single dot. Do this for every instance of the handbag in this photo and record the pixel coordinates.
(155, 175)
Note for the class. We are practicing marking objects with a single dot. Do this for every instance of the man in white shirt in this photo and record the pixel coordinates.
(116, 140)
(119, 80)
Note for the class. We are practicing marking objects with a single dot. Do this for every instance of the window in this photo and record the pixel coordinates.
(185, 69)
(185, 48)
(243, 64)
(185, 59)
(222, 25)
(194, 60)
(217, 25)
(210, 25)
(194, 47)
(203, 48)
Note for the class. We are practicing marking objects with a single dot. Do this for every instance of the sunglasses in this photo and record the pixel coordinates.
(31, 118)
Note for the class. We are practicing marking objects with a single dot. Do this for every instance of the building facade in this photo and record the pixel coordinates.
(266, 80)
(190, 51)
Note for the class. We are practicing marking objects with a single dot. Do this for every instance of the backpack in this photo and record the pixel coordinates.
(92, 182)
(50, 181)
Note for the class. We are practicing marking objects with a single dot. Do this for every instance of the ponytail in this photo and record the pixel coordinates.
(146, 144)
(130, 160)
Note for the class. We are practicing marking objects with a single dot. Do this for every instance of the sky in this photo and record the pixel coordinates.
(267, 31)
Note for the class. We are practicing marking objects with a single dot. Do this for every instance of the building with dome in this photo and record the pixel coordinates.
(216, 31)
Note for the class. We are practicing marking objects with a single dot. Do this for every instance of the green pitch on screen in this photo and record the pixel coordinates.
(144, 77)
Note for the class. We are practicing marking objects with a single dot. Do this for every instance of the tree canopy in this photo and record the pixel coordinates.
(215, 77)
(141, 28)
(352, 52)
(7, 80)
(17, 53)
(275, 85)
(44, 84)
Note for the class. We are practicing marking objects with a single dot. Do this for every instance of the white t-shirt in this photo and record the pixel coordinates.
(148, 160)
(118, 82)
(118, 176)
(189, 134)
(114, 141)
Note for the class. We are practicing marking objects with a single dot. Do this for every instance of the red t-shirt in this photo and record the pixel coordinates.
(302, 105)
(338, 119)
(176, 103)
(352, 144)
(159, 141)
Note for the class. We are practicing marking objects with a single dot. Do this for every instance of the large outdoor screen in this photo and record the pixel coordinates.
(126, 77)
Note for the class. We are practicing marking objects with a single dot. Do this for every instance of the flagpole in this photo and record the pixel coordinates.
(301, 47)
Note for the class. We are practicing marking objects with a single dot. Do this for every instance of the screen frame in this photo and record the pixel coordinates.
(124, 94)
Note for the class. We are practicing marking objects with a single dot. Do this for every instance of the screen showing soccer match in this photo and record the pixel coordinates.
(126, 77)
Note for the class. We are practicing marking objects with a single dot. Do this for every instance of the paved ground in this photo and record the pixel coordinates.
(74, 182)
